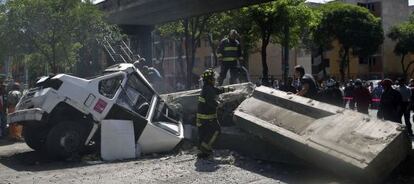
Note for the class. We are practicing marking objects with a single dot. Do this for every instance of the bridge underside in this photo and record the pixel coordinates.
(150, 12)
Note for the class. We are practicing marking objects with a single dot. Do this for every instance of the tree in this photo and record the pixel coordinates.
(285, 22)
(173, 31)
(355, 28)
(194, 28)
(90, 25)
(403, 34)
(63, 32)
(191, 29)
(311, 42)
(294, 19)
(264, 16)
(216, 27)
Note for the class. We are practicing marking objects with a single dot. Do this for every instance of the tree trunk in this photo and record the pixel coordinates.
(213, 50)
(404, 70)
(54, 69)
(343, 64)
(180, 59)
(159, 65)
(407, 68)
(325, 75)
(348, 64)
(265, 71)
(245, 53)
(286, 54)
(245, 62)
(193, 38)
(412, 71)
(187, 48)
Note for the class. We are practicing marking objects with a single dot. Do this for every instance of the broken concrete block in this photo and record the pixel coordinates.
(342, 141)
(185, 102)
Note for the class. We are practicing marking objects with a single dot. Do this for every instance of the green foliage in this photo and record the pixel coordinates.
(171, 30)
(403, 34)
(192, 30)
(286, 22)
(354, 27)
(264, 17)
(294, 19)
(62, 32)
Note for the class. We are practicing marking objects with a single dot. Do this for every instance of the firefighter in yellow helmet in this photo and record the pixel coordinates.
(208, 126)
(230, 54)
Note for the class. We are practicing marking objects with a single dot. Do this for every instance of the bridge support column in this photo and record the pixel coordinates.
(140, 39)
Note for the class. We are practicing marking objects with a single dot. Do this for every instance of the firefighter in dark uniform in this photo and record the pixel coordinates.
(208, 126)
(229, 53)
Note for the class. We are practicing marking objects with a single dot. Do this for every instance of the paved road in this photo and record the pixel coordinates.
(19, 164)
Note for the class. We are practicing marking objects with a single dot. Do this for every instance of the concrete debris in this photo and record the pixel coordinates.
(232, 137)
(186, 103)
(342, 141)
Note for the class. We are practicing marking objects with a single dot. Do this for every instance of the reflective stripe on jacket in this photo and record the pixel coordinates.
(207, 101)
(229, 50)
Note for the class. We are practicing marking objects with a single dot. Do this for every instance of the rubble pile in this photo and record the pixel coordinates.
(186, 103)
(272, 125)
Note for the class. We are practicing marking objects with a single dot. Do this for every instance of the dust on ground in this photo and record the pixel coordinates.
(19, 164)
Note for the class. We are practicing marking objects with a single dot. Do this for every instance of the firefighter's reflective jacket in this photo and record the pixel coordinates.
(229, 50)
(207, 102)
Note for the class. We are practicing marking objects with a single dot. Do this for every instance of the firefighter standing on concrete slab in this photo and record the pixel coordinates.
(208, 126)
(229, 53)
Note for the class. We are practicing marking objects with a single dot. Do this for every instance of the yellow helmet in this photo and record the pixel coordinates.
(208, 75)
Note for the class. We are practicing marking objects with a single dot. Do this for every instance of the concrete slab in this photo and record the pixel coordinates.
(342, 141)
(233, 138)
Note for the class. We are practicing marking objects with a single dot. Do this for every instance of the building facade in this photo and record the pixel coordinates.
(382, 64)
(173, 65)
